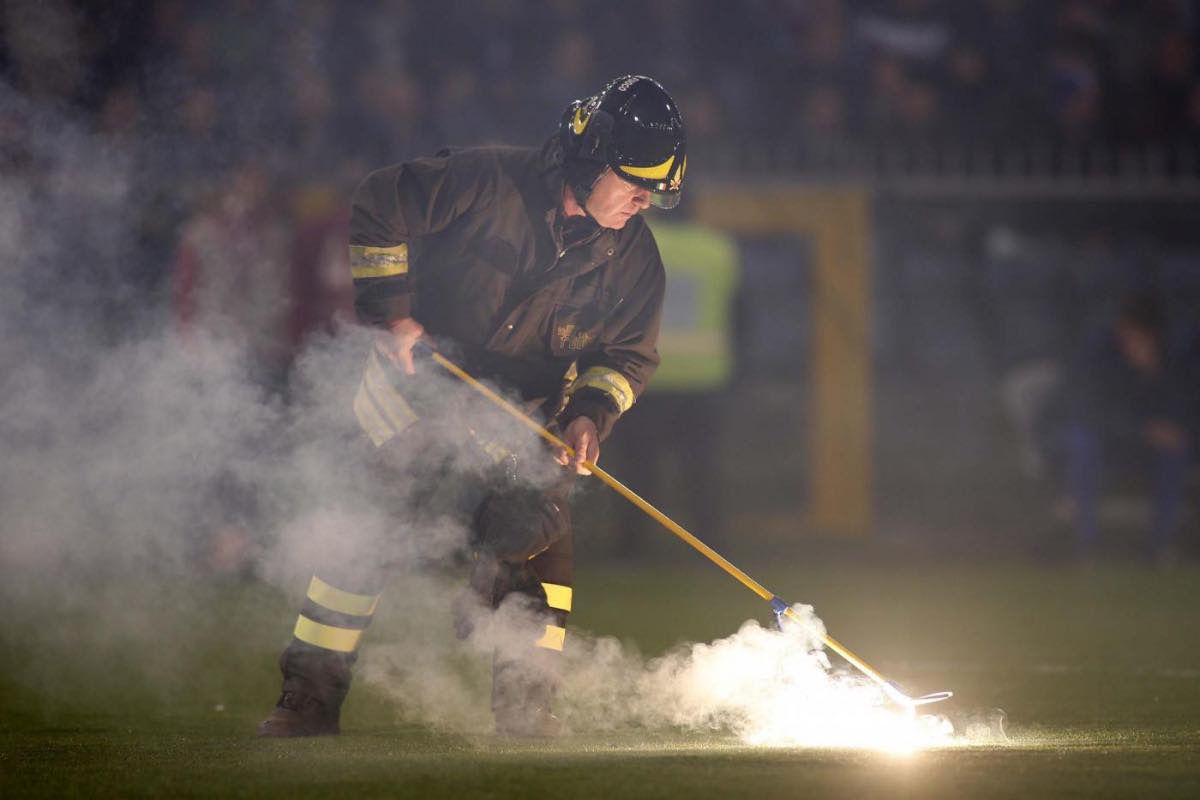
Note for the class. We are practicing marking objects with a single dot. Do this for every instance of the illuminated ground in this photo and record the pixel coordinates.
(1099, 673)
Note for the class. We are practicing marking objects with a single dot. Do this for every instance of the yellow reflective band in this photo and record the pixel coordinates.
(393, 405)
(382, 411)
(609, 381)
(369, 420)
(343, 640)
(656, 172)
(553, 638)
(496, 451)
(333, 598)
(378, 262)
(558, 596)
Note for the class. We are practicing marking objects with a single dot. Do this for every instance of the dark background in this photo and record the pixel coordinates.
(1029, 165)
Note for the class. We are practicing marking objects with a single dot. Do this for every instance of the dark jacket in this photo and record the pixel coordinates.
(1106, 392)
(473, 245)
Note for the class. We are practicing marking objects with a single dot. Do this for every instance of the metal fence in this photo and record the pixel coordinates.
(979, 169)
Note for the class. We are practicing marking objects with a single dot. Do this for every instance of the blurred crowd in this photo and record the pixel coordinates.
(311, 93)
(314, 81)
(1048, 346)
(202, 155)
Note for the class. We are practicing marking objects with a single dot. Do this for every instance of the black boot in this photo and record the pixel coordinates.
(487, 581)
(315, 682)
(523, 696)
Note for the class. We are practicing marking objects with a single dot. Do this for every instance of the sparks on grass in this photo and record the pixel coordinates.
(777, 688)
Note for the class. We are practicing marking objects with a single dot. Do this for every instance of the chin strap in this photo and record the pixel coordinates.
(582, 203)
(581, 184)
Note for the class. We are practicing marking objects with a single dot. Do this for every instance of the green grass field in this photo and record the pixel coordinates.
(152, 690)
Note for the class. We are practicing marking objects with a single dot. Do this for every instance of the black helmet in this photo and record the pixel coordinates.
(632, 127)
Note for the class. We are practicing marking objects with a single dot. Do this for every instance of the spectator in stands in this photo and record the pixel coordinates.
(311, 139)
(232, 270)
(1074, 94)
(1127, 402)
(232, 285)
(823, 113)
(1192, 113)
(387, 118)
(321, 292)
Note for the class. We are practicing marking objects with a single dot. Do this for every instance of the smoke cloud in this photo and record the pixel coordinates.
(128, 449)
(763, 686)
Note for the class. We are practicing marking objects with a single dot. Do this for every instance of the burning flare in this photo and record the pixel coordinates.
(769, 687)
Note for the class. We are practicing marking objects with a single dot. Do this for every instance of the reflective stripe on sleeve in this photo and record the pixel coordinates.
(558, 596)
(378, 262)
(609, 381)
(333, 598)
(393, 405)
(343, 640)
(382, 412)
(370, 420)
(553, 638)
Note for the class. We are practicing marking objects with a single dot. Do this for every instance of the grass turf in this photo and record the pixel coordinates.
(135, 690)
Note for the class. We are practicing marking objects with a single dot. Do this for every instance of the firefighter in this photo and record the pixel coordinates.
(535, 265)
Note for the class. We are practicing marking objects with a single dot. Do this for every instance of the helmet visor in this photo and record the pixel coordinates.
(665, 200)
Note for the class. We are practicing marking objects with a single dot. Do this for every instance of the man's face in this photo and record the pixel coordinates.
(614, 200)
(1139, 345)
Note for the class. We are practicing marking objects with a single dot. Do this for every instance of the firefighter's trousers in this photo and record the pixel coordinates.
(428, 471)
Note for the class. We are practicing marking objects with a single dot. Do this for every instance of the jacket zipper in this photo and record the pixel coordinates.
(568, 248)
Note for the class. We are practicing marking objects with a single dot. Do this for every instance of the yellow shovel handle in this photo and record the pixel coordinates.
(658, 516)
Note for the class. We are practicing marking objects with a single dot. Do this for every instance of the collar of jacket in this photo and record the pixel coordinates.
(555, 183)
(552, 174)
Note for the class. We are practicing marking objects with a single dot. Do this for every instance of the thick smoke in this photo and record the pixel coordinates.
(764, 686)
(127, 440)
(134, 454)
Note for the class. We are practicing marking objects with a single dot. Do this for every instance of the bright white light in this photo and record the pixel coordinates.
(779, 687)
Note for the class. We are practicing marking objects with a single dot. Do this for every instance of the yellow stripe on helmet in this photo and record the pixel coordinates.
(657, 172)
(580, 122)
